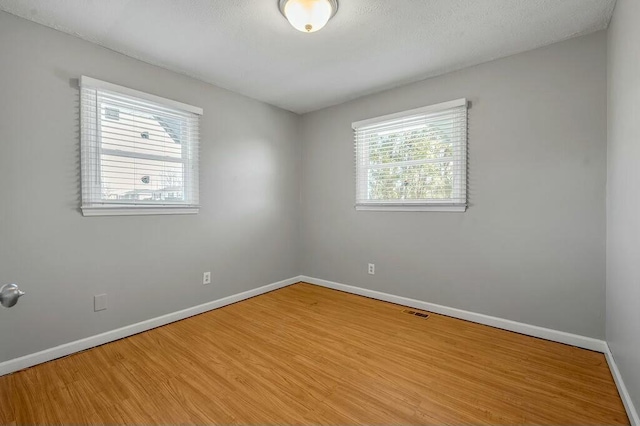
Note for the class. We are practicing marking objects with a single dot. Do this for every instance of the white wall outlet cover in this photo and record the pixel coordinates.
(372, 269)
(206, 278)
(99, 302)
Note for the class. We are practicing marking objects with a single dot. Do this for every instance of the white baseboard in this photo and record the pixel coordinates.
(505, 324)
(30, 360)
(622, 389)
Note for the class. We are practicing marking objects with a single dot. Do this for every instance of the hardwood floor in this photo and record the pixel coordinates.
(306, 354)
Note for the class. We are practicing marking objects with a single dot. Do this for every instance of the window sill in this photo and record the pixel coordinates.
(406, 208)
(137, 210)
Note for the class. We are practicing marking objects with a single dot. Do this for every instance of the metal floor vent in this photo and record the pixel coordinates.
(416, 313)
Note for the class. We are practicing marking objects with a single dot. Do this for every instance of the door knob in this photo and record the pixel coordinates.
(9, 295)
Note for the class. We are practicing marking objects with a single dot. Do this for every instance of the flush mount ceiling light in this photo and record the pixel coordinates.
(308, 16)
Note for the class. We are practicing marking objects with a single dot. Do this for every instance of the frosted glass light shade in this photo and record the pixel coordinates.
(308, 15)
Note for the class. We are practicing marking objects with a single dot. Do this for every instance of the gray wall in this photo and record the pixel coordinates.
(533, 235)
(246, 232)
(531, 247)
(623, 204)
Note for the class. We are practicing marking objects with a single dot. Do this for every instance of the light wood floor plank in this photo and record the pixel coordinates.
(307, 355)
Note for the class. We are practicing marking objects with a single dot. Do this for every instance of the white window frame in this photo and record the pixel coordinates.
(91, 142)
(460, 190)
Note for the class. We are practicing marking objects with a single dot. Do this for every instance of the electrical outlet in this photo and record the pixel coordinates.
(99, 302)
(206, 278)
(372, 269)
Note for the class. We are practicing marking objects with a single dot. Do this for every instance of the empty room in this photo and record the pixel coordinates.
(300, 212)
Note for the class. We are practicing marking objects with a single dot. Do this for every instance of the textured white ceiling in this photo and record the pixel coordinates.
(248, 47)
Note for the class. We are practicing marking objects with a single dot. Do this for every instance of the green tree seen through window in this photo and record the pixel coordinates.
(411, 165)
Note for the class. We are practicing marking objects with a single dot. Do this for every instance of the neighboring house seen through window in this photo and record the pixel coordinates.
(139, 152)
(413, 160)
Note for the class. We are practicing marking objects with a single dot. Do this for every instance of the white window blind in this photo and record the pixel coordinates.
(139, 152)
(413, 160)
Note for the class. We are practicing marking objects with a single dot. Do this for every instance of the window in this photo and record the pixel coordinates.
(413, 160)
(139, 152)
